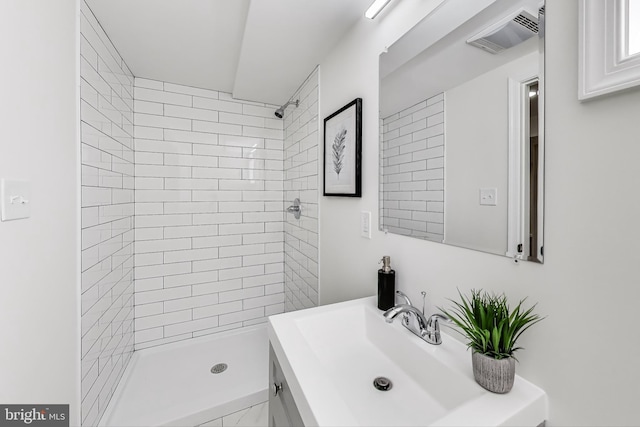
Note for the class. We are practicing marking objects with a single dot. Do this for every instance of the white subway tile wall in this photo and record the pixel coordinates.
(301, 181)
(209, 212)
(412, 182)
(107, 217)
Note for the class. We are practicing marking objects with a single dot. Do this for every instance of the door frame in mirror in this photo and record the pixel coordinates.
(518, 213)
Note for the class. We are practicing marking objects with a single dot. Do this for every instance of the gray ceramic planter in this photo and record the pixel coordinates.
(495, 375)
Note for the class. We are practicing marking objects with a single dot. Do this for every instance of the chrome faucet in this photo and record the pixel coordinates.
(426, 329)
(404, 296)
(391, 314)
(405, 317)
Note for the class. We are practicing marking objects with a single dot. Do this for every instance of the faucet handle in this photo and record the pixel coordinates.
(432, 331)
(424, 297)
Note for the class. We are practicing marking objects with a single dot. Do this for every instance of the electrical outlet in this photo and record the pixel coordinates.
(365, 224)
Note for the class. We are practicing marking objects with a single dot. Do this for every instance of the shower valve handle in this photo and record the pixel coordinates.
(295, 209)
(277, 388)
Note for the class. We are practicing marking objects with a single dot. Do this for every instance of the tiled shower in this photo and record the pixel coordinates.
(184, 230)
(209, 212)
(301, 181)
(107, 217)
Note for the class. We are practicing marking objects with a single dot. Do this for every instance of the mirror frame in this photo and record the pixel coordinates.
(515, 229)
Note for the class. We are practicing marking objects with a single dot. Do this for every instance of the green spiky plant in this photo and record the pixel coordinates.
(489, 325)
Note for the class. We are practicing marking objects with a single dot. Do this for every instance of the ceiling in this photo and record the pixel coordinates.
(259, 50)
(432, 49)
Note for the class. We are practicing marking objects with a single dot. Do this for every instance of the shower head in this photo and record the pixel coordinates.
(280, 111)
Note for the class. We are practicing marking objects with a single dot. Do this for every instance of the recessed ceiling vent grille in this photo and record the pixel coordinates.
(526, 22)
(508, 32)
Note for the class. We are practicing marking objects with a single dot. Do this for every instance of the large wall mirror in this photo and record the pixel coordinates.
(462, 128)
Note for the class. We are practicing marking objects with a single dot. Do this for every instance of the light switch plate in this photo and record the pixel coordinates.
(489, 196)
(15, 199)
(365, 224)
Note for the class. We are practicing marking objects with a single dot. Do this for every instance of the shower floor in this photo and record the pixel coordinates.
(172, 385)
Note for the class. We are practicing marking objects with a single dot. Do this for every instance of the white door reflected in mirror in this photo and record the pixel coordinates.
(633, 27)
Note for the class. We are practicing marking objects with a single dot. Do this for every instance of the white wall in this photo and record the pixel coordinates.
(477, 130)
(349, 72)
(585, 353)
(39, 282)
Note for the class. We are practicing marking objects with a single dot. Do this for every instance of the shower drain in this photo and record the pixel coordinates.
(219, 368)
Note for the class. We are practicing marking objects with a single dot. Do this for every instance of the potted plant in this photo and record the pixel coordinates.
(492, 330)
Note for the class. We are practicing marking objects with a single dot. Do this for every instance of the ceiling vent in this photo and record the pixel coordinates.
(508, 32)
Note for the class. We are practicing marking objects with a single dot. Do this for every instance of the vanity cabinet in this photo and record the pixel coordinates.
(282, 408)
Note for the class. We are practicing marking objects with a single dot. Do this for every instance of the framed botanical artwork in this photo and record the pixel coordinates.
(343, 151)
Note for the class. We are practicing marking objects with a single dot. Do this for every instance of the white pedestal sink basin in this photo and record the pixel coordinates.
(331, 355)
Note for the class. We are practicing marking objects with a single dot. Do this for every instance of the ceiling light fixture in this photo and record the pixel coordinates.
(375, 8)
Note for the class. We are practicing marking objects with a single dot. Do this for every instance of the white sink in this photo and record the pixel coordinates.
(331, 355)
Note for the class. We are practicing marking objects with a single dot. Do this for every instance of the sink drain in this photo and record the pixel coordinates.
(382, 383)
(219, 368)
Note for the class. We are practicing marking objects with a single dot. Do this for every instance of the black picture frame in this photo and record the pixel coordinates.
(343, 151)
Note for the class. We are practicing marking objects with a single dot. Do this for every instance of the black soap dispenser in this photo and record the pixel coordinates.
(386, 284)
